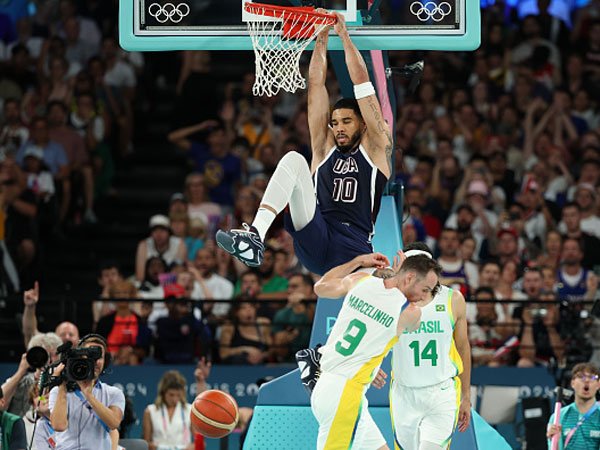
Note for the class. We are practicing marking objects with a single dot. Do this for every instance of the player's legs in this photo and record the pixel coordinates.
(368, 436)
(437, 426)
(291, 184)
(336, 404)
(406, 416)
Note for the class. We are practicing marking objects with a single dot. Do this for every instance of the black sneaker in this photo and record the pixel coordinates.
(245, 244)
(310, 368)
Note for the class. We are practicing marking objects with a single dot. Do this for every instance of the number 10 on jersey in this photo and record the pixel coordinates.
(344, 189)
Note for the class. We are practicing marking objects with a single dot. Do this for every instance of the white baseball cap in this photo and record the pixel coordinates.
(159, 220)
(35, 151)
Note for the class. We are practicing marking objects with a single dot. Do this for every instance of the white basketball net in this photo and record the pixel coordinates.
(277, 58)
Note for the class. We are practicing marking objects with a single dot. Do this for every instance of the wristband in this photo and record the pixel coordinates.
(363, 90)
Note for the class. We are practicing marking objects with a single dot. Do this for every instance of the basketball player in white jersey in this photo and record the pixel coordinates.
(336, 200)
(430, 391)
(374, 314)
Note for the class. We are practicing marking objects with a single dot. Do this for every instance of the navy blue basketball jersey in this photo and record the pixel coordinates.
(349, 189)
(462, 280)
(573, 293)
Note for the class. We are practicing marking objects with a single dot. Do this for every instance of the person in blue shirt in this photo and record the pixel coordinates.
(85, 418)
(14, 10)
(579, 424)
(54, 153)
(213, 159)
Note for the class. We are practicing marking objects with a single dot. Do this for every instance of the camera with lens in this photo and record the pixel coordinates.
(538, 312)
(79, 366)
(37, 357)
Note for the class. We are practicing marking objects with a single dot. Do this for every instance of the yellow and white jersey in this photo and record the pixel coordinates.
(428, 355)
(364, 331)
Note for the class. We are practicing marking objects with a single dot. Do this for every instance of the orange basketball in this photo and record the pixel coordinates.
(214, 414)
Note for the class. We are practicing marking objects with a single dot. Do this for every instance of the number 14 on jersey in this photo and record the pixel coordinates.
(428, 352)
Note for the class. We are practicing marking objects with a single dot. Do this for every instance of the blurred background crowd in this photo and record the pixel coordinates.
(117, 168)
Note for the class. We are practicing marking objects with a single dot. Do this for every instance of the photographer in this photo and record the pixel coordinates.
(540, 319)
(16, 388)
(84, 417)
(580, 421)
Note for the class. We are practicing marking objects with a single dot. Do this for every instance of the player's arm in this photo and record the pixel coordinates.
(461, 339)
(29, 321)
(114, 439)
(409, 319)
(338, 281)
(321, 137)
(381, 144)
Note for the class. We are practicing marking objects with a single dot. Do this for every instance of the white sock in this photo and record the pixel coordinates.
(290, 183)
(263, 220)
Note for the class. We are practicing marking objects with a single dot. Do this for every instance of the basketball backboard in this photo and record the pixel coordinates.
(146, 25)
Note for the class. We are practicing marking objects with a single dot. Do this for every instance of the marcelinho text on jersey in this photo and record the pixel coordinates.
(370, 311)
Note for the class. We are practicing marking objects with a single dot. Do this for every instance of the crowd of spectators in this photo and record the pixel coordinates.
(498, 150)
(66, 93)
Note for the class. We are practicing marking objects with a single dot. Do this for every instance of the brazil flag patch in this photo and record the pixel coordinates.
(440, 308)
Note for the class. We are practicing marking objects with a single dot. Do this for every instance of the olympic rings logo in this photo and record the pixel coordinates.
(430, 10)
(168, 11)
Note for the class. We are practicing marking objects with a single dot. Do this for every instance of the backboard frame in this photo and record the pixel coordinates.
(132, 38)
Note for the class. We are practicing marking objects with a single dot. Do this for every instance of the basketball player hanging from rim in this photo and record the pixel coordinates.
(351, 161)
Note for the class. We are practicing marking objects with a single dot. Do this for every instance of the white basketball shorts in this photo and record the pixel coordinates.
(424, 414)
(341, 408)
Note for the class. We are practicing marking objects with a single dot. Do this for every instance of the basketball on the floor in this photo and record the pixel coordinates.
(214, 414)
